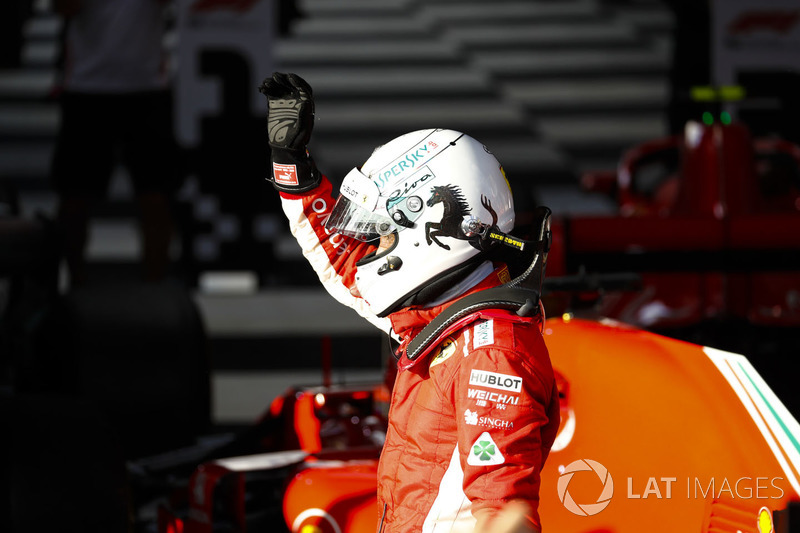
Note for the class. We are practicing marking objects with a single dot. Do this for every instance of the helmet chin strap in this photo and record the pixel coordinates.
(434, 288)
(478, 274)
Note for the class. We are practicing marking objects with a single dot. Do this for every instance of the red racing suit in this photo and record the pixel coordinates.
(472, 420)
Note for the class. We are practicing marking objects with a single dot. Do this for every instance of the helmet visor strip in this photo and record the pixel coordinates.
(352, 220)
(354, 214)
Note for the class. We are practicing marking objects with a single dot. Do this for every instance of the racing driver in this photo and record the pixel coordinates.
(473, 414)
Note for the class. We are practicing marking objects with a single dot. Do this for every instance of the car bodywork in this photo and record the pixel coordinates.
(654, 431)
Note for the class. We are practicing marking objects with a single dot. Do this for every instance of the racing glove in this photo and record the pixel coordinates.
(290, 120)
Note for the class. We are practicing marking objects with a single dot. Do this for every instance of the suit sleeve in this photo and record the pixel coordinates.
(332, 256)
(504, 411)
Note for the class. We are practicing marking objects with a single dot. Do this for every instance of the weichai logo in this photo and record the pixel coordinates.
(496, 397)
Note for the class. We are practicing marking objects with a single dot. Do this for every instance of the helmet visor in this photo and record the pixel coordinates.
(352, 220)
(355, 212)
(354, 215)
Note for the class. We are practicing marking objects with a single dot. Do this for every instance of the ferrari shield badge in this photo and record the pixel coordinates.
(446, 349)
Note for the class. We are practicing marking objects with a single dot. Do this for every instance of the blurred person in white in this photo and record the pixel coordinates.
(116, 107)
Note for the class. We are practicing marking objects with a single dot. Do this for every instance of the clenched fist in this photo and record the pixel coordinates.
(290, 121)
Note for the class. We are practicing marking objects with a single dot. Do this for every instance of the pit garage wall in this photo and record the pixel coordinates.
(242, 29)
(756, 44)
(228, 212)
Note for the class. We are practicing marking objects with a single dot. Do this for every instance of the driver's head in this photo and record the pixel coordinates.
(420, 198)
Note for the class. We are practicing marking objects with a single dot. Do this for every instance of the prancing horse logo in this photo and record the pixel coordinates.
(455, 208)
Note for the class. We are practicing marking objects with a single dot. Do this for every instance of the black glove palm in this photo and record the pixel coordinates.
(289, 123)
(291, 110)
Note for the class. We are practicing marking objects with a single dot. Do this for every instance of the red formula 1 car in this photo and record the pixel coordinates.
(711, 221)
(656, 435)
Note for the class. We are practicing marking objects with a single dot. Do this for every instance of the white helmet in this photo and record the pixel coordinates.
(438, 191)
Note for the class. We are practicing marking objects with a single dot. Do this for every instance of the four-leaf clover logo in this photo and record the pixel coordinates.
(485, 450)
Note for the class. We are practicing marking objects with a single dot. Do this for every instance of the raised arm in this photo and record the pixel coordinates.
(306, 194)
